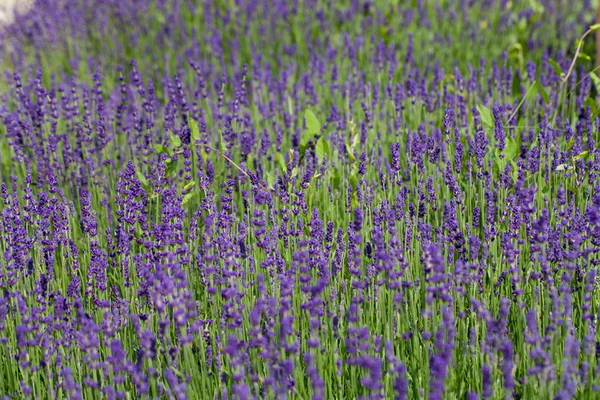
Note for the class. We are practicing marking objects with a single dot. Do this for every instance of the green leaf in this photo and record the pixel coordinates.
(591, 103)
(515, 171)
(571, 143)
(353, 180)
(584, 56)
(542, 91)
(337, 180)
(486, 115)
(563, 167)
(281, 161)
(355, 141)
(187, 198)
(596, 80)
(312, 128)
(175, 140)
(141, 178)
(161, 149)
(171, 167)
(271, 179)
(350, 152)
(512, 149)
(581, 155)
(294, 172)
(557, 68)
(545, 190)
(194, 130)
(222, 144)
(322, 148)
(189, 185)
(594, 27)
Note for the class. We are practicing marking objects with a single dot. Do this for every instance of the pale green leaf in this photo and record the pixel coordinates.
(355, 141)
(322, 148)
(294, 172)
(350, 152)
(270, 179)
(175, 140)
(486, 115)
(141, 177)
(312, 128)
(281, 161)
(223, 144)
(189, 185)
(556, 66)
(161, 149)
(512, 149)
(187, 198)
(195, 130)
(542, 91)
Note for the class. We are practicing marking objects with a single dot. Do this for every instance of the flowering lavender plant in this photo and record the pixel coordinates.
(279, 199)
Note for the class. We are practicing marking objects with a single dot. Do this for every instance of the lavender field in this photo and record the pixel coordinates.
(300, 199)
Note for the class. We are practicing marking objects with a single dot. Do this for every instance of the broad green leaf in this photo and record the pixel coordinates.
(312, 128)
(486, 115)
(499, 163)
(175, 140)
(595, 27)
(312, 123)
(337, 180)
(194, 129)
(563, 167)
(512, 148)
(281, 161)
(515, 171)
(581, 155)
(355, 141)
(141, 177)
(591, 103)
(187, 198)
(322, 148)
(572, 189)
(557, 68)
(161, 149)
(171, 167)
(584, 56)
(294, 172)
(353, 179)
(350, 152)
(189, 185)
(596, 80)
(542, 91)
(571, 143)
(546, 189)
